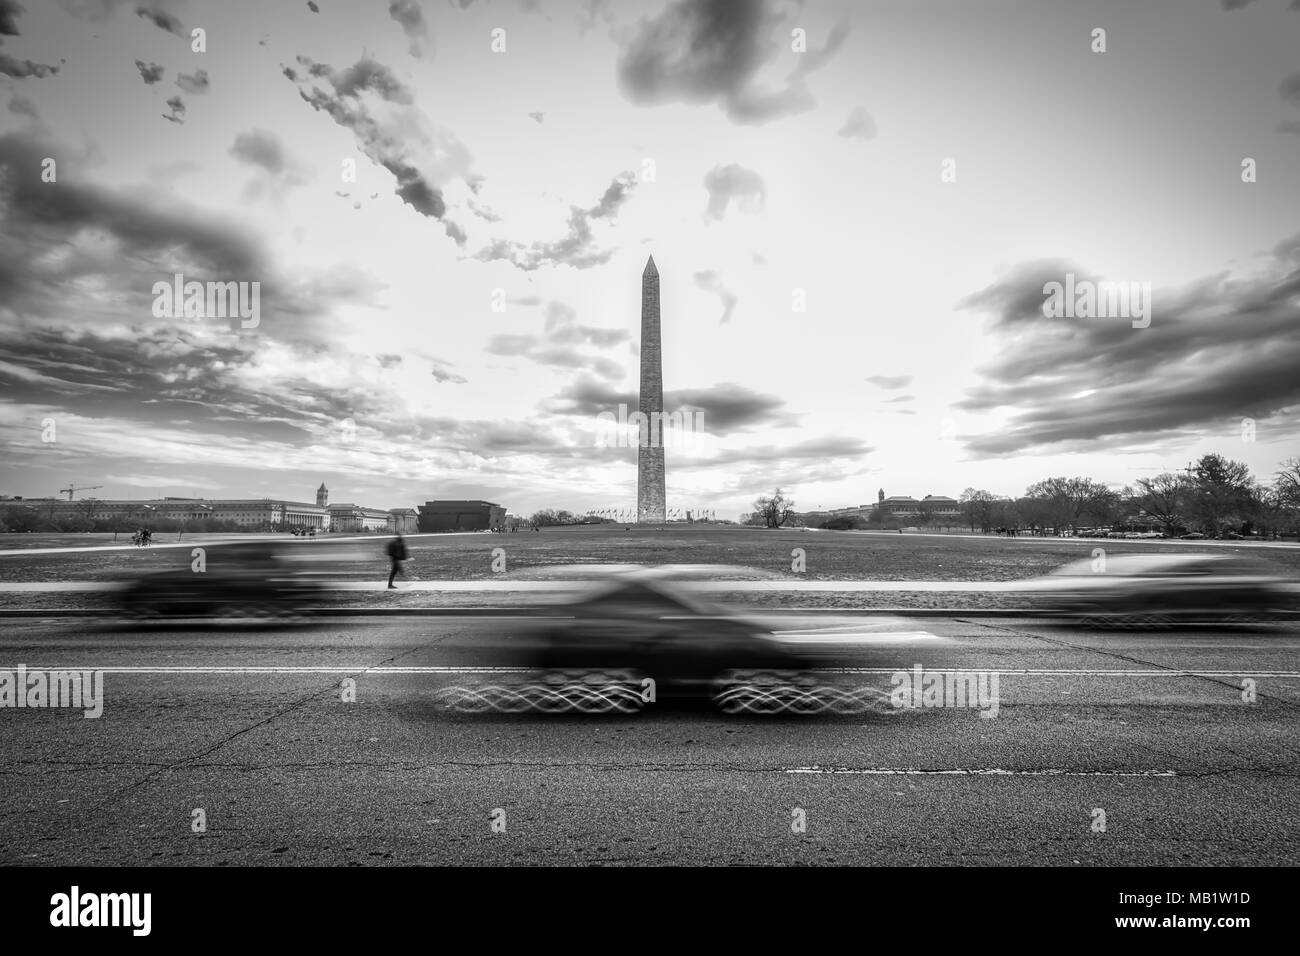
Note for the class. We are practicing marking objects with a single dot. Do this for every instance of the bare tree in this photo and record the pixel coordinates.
(774, 511)
(1165, 498)
(1068, 499)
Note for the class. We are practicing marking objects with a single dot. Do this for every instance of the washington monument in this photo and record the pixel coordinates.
(650, 446)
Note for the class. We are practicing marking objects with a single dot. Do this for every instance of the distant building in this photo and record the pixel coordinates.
(253, 513)
(941, 506)
(461, 516)
(346, 516)
(905, 506)
(403, 521)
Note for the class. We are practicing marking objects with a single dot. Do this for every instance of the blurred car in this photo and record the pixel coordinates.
(1231, 536)
(635, 638)
(1159, 590)
(249, 582)
(1193, 536)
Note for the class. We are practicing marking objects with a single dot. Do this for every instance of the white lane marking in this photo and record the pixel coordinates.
(980, 772)
(356, 668)
(1068, 672)
(846, 638)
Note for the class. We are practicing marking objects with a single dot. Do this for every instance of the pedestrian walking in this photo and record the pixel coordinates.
(396, 555)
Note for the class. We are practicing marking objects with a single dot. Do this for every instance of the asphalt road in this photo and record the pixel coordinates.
(249, 726)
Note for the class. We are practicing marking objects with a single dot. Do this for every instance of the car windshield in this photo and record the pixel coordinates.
(641, 598)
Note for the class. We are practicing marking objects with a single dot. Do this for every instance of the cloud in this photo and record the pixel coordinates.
(196, 83)
(859, 125)
(1217, 350)
(539, 117)
(177, 107)
(21, 106)
(725, 183)
(577, 247)
(560, 345)
(162, 20)
(151, 73)
(709, 281)
(23, 68)
(9, 10)
(85, 255)
(441, 373)
(1290, 90)
(705, 51)
(1292, 127)
(890, 381)
(262, 149)
(96, 11)
(408, 14)
(394, 134)
(311, 5)
(727, 407)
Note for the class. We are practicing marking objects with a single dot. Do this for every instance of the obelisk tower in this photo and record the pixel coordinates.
(650, 440)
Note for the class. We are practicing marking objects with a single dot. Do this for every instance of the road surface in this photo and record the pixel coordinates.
(224, 746)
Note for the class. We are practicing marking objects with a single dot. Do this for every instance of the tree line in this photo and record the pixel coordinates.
(1213, 496)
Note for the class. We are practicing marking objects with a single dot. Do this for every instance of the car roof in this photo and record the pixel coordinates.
(1150, 563)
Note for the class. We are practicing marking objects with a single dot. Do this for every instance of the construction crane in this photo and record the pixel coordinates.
(73, 489)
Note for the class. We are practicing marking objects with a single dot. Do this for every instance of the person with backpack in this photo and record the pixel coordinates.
(396, 555)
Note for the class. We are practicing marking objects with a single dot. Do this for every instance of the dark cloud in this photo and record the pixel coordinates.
(577, 248)
(311, 5)
(196, 83)
(710, 281)
(560, 345)
(705, 51)
(177, 107)
(725, 183)
(727, 407)
(9, 10)
(539, 117)
(115, 244)
(407, 13)
(24, 68)
(1216, 351)
(1235, 4)
(889, 381)
(151, 73)
(161, 19)
(386, 140)
(148, 231)
(366, 75)
(859, 125)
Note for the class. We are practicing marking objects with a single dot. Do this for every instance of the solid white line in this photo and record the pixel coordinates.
(981, 772)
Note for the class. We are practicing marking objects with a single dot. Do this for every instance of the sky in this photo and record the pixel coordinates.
(854, 209)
